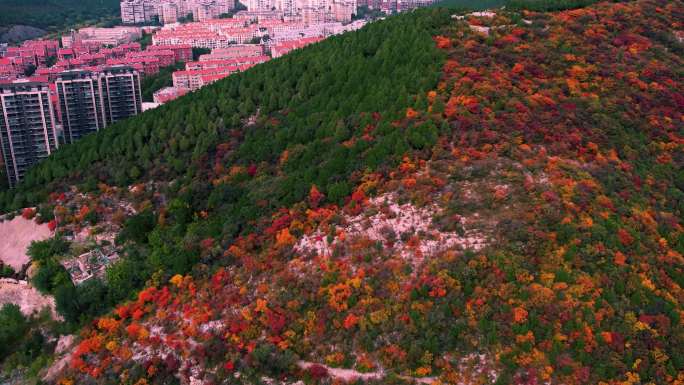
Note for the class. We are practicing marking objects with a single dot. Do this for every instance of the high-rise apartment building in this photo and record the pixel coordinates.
(27, 126)
(211, 9)
(260, 5)
(122, 94)
(133, 11)
(310, 11)
(169, 13)
(80, 103)
(288, 7)
(152, 9)
(90, 101)
(140, 11)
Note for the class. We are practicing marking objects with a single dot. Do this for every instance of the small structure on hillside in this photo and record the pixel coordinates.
(90, 264)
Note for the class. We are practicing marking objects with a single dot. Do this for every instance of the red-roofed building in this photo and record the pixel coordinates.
(195, 79)
(182, 52)
(226, 63)
(149, 65)
(27, 56)
(234, 51)
(208, 79)
(92, 59)
(51, 73)
(164, 57)
(284, 47)
(167, 94)
(46, 47)
(65, 54)
(10, 68)
(40, 50)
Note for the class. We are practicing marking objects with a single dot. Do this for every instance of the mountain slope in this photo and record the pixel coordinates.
(235, 152)
(515, 217)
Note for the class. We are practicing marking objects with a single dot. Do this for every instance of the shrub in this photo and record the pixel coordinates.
(13, 326)
(42, 250)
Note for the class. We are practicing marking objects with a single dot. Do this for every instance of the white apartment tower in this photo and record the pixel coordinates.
(288, 7)
(133, 11)
(260, 5)
(169, 13)
(139, 11)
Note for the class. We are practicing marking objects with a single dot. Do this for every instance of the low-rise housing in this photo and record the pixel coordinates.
(167, 94)
(233, 52)
(284, 47)
(103, 36)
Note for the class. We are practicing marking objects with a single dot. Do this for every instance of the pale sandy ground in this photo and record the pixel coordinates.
(399, 219)
(15, 236)
(350, 375)
(28, 298)
(63, 351)
(346, 375)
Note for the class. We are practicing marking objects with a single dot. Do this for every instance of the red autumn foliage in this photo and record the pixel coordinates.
(350, 321)
(525, 117)
(318, 372)
(409, 182)
(219, 278)
(519, 315)
(138, 314)
(358, 196)
(55, 197)
(443, 42)
(279, 223)
(123, 311)
(83, 211)
(315, 196)
(133, 330)
(625, 237)
(28, 213)
(147, 295)
(252, 170)
(276, 321)
(207, 243)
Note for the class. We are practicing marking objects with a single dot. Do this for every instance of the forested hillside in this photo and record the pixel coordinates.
(56, 15)
(440, 197)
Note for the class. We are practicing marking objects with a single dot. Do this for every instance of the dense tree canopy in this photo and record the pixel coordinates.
(55, 15)
(13, 325)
